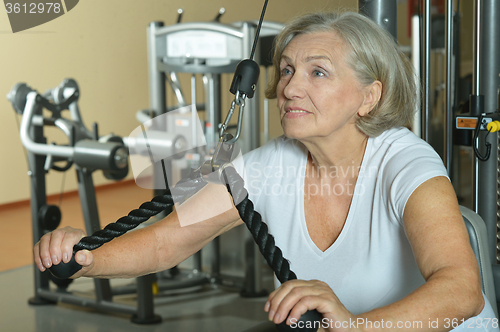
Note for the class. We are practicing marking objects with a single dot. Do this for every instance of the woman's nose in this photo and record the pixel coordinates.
(294, 87)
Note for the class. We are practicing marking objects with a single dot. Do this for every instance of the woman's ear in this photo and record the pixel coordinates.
(373, 92)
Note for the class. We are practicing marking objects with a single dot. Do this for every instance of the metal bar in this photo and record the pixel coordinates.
(426, 84)
(266, 111)
(476, 44)
(250, 136)
(211, 83)
(38, 199)
(157, 92)
(197, 261)
(31, 108)
(488, 80)
(145, 304)
(205, 26)
(449, 85)
(176, 87)
(216, 261)
(70, 298)
(383, 12)
(415, 59)
(157, 97)
(193, 111)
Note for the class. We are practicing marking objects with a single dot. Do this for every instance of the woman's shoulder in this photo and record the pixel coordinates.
(399, 150)
(398, 136)
(401, 141)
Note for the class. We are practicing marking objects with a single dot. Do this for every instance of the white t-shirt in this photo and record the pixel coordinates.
(371, 263)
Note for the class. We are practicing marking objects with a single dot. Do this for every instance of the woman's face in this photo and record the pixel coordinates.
(318, 94)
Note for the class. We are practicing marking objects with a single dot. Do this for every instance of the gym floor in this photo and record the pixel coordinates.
(201, 308)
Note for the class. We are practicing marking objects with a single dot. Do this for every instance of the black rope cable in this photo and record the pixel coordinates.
(258, 228)
(165, 202)
(184, 189)
(281, 267)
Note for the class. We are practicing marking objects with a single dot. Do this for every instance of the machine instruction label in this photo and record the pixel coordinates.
(197, 44)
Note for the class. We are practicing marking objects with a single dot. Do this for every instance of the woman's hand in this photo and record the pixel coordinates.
(57, 246)
(295, 297)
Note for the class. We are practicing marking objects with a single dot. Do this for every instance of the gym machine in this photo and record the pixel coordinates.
(478, 127)
(88, 152)
(218, 169)
(209, 50)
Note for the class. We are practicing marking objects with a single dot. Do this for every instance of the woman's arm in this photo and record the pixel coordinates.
(157, 247)
(439, 239)
(440, 243)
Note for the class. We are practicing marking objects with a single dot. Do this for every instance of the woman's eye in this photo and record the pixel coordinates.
(285, 71)
(318, 73)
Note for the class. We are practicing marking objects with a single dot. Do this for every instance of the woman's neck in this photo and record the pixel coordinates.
(341, 157)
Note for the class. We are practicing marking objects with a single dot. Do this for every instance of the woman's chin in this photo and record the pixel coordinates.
(293, 131)
(294, 134)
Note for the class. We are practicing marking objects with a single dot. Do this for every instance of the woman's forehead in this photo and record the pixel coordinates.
(314, 45)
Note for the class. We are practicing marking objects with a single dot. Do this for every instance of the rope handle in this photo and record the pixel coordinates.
(183, 190)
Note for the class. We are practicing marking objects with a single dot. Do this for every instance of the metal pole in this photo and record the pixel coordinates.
(476, 41)
(157, 93)
(194, 113)
(487, 82)
(449, 85)
(383, 12)
(426, 56)
(251, 141)
(211, 82)
(157, 99)
(251, 117)
(415, 59)
(38, 199)
(266, 111)
(476, 44)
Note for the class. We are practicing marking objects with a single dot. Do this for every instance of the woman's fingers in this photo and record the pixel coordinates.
(84, 258)
(38, 260)
(56, 247)
(282, 300)
(294, 298)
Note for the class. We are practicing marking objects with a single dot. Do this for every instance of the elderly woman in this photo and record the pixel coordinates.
(361, 207)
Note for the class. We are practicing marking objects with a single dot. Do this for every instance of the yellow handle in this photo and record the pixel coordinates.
(493, 126)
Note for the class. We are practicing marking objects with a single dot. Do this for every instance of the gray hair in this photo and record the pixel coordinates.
(373, 56)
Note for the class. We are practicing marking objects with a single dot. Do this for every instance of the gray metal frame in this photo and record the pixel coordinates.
(239, 37)
(38, 151)
(486, 81)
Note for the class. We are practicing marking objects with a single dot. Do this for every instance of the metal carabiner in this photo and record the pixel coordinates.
(239, 100)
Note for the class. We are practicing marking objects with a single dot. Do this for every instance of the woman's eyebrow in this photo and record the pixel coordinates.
(309, 58)
(318, 57)
(284, 57)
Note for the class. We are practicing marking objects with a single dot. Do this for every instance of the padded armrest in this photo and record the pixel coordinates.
(479, 243)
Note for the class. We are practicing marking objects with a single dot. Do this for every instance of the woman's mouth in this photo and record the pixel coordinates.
(294, 113)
